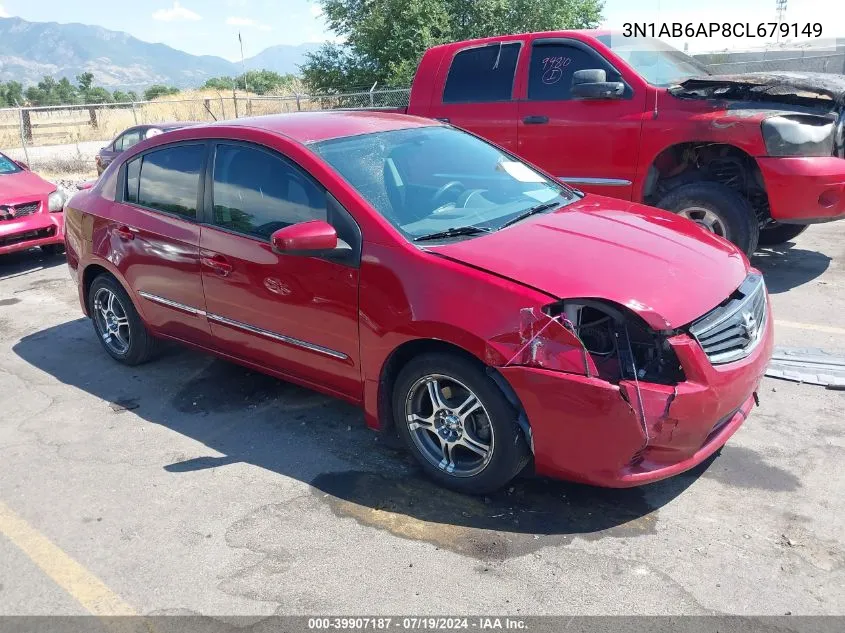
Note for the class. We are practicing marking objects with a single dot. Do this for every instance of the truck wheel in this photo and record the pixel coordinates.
(718, 209)
(458, 423)
(780, 233)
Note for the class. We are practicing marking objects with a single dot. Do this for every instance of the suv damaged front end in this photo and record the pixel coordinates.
(614, 402)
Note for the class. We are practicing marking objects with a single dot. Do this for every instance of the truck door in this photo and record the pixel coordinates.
(593, 144)
(475, 91)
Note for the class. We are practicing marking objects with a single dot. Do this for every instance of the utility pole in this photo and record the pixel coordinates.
(243, 63)
(781, 10)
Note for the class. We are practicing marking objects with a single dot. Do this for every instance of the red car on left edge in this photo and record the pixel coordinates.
(30, 210)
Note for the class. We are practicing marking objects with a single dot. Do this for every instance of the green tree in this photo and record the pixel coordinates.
(44, 93)
(85, 81)
(257, 81)
(118, 96)
(66, 92)
(133, 96)
(159, 90)
(11, 93)
(218, 83)
(384, 39)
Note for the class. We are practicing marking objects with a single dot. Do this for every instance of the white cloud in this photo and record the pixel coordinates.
(249, 22)
(3, 12)
(176, 13)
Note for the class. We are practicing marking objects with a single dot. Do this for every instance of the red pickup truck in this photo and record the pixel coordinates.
(753, 157)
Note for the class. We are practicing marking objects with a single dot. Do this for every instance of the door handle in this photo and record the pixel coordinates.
(126, 233)
(442, 119)
(218, 264)
(535, 120)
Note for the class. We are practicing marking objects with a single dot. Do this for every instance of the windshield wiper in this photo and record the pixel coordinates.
(529, 212)
(453, 232)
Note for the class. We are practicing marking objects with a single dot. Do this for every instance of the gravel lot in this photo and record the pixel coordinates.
(190, 485)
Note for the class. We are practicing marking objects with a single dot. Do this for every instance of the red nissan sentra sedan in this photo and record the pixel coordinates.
(486, 312)
(30, 210)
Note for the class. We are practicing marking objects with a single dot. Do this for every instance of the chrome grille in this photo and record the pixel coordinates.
(18, 211)
(733, 330)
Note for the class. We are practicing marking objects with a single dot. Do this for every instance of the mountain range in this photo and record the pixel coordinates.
(30, 50)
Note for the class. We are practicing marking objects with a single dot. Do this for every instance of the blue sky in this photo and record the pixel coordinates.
(210, 27)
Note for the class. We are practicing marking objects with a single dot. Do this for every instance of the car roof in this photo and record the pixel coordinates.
(311, 127)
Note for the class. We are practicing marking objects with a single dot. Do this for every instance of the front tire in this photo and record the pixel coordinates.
(458, 424)
(117, 323)
(780, 233)
(718, 209)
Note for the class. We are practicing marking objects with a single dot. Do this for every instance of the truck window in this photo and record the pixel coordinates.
(482, 74)
(552, 65)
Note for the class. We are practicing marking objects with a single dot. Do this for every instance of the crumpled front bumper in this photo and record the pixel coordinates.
(805, 190)
(591, 431)
(38, 229)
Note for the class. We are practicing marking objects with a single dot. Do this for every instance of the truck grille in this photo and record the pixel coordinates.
(18, 211)
(732, 331)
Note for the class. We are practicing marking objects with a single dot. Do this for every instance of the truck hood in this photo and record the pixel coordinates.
(812, 89)
(664, 268)
(23, 186)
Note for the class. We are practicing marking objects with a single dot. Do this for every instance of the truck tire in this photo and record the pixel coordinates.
(718, 209)
(780, 233)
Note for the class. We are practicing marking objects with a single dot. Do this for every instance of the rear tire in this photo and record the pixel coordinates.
(711, 204)
(449, 438)
(780, 233)
(117, 323)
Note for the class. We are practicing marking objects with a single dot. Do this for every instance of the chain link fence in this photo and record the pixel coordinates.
(768, 61)
(64, 139)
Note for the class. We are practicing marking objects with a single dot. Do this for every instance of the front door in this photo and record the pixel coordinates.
(592, 144)
(294, 314)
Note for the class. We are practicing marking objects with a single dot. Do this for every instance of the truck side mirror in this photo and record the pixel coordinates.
(593, 84)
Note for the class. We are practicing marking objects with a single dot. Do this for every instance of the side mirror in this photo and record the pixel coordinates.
(593, 84)
(306, 238)
(85, 185)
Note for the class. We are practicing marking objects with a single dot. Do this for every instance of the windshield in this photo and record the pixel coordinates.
(658, 63)
(8, 166)
(430, 180)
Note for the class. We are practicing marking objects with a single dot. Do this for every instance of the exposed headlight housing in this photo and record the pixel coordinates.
(56, 201)
(799, 135)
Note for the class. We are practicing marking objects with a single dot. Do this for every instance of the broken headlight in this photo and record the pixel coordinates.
(798, 135)
(621, 345)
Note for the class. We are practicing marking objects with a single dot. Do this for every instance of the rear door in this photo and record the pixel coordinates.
(294, 314)
(475, 91)
(154, 237)
(591, 144)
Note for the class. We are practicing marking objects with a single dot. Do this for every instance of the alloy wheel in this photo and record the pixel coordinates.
(707, 219)
(112, 321)
(449, 425)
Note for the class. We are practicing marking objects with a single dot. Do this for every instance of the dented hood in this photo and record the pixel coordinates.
(770, 86)
(664, 268)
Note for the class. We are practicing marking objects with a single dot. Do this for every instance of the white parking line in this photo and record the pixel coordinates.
(811, 326)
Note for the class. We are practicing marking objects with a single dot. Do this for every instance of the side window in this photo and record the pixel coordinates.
(126, 140)
(482, 74)
(257, 193)
(133, 176)
(552, 65)
(131, 138)
(169, 179)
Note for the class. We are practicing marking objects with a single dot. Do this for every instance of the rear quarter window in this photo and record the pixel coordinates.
(482, 74)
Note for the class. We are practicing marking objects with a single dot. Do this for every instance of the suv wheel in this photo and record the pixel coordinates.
(458, 424)
(118, 325)
(718, 209)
